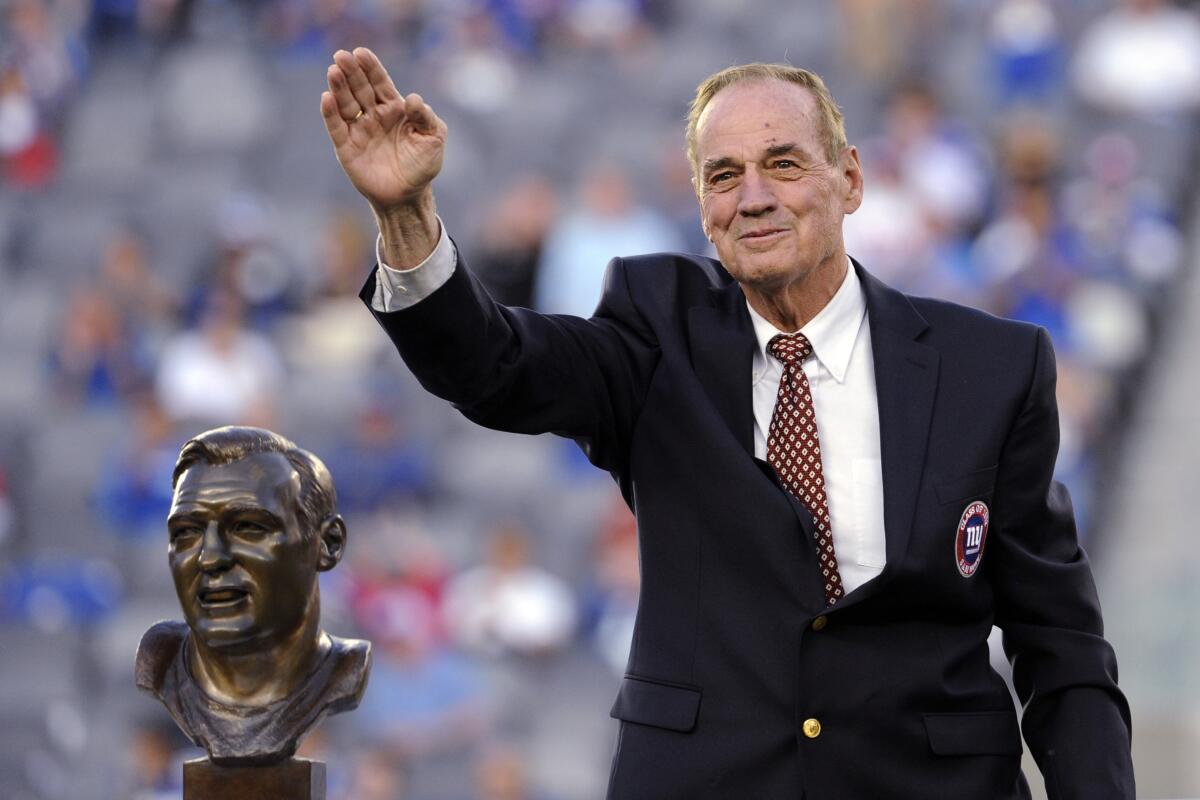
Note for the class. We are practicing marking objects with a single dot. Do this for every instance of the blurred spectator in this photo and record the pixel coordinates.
(1125, 219)
(502, 773)
(880, 38)
(246, 265)
(1030, 253)
(112, 331)
(422, 700)
(581, 243)
(95, 360)
(154, 771)
(507, 605)
(165, 21)
(1027, 50)
(133, 490)
(510, 28)
(315, 28)
(612, 599)
(613, 26)
(513, 235)
(28, 155)
(39, 70)
(142, 298)
(522, 24)
(938, 159)
(677, 198)
(888, 232)
(1141, 57)
(37, 45)
(382, 465)
(330, 338)
(930, 190)
(52, 593)
(114, 21)
(221, 374)
(395, 557)
(476, 68)
(377, 775)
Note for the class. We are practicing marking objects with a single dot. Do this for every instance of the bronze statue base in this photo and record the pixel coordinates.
(295, 779)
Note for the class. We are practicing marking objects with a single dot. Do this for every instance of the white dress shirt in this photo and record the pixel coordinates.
(841, 375)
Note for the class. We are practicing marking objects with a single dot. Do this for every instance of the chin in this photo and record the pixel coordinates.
(222, 634)
(762, 273)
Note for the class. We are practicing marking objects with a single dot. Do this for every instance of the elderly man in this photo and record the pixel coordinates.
(253, 521)
(839, 489)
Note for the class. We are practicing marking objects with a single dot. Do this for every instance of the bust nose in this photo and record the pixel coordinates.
(214, 552)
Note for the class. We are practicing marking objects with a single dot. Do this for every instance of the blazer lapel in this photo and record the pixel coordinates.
(722, 349)
(906, 373)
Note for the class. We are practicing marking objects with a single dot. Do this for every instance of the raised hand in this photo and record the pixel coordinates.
(390, 146)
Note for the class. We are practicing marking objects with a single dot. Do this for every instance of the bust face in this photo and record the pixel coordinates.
(244, 567)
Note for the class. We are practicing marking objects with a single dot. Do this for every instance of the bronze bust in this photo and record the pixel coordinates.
(249, 671)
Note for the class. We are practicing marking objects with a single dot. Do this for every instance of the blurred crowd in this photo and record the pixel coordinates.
(178, 251)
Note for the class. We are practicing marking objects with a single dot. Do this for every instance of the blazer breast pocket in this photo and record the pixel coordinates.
(672, 706)
(972, 486)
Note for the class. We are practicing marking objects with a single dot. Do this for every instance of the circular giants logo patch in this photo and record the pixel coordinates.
(972, 533)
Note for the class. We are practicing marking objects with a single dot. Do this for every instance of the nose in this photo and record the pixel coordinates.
(756, 197)
(214, 552)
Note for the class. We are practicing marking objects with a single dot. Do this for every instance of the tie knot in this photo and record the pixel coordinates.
(790, 348)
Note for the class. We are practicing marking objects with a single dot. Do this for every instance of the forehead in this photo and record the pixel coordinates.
(263, 479)
(758, 112)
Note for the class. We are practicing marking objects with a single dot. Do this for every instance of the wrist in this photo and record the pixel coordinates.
(410, 230)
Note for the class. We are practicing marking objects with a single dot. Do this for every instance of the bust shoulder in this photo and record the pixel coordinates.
(352, 666)
(156, 652)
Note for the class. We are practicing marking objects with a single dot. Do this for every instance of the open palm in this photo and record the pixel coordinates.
(390, 146)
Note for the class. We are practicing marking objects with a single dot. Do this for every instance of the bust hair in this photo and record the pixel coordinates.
(833, 129)
(220, 446)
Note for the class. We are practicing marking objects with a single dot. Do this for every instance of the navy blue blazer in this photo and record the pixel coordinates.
(734, 655)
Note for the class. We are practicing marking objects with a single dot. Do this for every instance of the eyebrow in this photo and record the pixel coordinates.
(783, 149)
(717, 163)
(198, 511)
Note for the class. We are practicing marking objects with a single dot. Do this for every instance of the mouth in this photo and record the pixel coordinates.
(763, 234)
(222, 597)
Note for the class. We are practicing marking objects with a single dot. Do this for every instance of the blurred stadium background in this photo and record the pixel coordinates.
(178, 249)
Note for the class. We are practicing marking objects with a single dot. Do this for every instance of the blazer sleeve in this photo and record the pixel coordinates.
(1076, 720)
(516, 370)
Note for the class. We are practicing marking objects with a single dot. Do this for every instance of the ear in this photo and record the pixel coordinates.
(853, 175)
(333, 542)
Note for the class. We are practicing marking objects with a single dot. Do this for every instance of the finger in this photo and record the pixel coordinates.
(420, 113)
(339, 87)
(339, 131)
(381, 82)
(359, 85)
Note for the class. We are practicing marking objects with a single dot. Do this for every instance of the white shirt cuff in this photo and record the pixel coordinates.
(398, 289)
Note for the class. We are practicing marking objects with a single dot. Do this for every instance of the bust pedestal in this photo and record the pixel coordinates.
(294, 779)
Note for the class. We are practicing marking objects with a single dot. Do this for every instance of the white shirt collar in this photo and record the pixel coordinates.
(832, 331)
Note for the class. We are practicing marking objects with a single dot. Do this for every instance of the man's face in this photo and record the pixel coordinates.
(244, 568)
(769, 199)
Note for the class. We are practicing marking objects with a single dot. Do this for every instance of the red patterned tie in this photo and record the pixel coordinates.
(794, 450)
